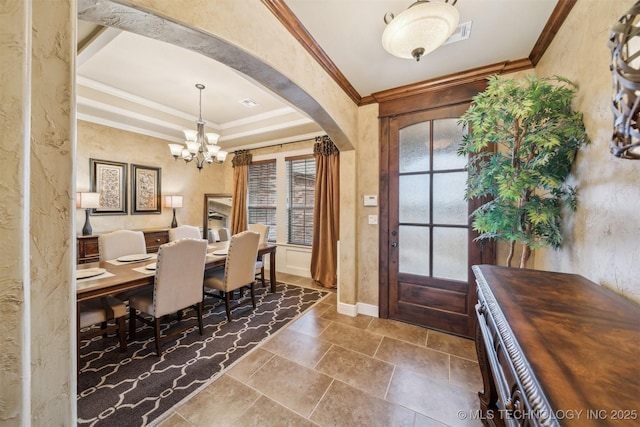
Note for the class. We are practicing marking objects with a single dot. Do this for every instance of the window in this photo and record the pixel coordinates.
(262, 196)
(301, 184)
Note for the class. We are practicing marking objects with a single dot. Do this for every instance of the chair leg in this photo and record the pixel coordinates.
(253, 293)
(157, 328)
(226, 305)
(122, 334)
(264, 284)
(103, 326)
(199, 309)
(132, 322)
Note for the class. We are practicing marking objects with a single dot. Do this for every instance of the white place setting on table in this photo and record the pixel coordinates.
(127, 259)
(147, 269)
(89, 274)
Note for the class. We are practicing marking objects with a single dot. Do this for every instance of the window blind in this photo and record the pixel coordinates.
(262, 196)
(301, 183)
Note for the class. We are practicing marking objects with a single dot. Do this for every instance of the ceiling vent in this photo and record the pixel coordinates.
(462, 32)
(249, 103)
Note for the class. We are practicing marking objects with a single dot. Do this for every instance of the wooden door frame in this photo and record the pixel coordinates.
(454, 95)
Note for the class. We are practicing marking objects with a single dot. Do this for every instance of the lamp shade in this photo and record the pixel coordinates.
(87, 200)
(173, 201)
(420, 29)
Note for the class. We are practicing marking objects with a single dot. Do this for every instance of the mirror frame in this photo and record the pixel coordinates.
(205, 212)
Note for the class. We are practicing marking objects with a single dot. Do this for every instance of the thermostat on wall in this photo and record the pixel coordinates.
(371, 200)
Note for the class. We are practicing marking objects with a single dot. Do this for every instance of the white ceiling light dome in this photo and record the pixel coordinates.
(420, 29)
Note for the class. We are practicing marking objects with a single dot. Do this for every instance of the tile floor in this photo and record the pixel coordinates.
(328, 369)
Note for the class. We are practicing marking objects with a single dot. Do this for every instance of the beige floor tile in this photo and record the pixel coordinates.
(175, 420)
(290, 384)
(267, 413)
(424, 361)
(422, 421)
(401, 331)
(458, 346)
(331, 299)
(465, 373)
(352, 338)
(250, 364)
(356, 369)
(296, 346)
(359, 321)
(311, 323)
(220, 403)
(445, 403)
(344, 405)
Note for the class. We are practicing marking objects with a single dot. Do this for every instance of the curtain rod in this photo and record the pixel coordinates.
(280, 144)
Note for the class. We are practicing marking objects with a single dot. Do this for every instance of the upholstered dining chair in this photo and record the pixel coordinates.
(120, 243)
(223, 234)
(101, 311)
(184, 232)
(178, 285)
(238, 272)
(263, 230)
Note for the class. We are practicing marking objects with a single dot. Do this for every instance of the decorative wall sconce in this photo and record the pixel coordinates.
(624, 42)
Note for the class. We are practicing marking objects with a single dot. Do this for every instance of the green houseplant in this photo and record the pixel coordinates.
(522, 183)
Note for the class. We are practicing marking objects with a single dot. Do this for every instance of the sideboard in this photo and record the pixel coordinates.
(88, 250)
(555, 349)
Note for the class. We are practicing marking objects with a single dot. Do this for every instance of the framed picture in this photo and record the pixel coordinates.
(110, 180)
(145, 190)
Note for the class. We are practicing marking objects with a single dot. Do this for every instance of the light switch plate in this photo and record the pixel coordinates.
(371, 200)
(373, 219)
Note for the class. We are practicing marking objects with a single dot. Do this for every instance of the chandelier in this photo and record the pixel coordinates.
(420, 29)
(200, 146)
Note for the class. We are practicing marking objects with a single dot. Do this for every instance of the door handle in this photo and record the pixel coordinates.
(394, 244)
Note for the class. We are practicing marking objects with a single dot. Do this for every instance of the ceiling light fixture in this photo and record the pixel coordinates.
(420, 29)
(201, 147)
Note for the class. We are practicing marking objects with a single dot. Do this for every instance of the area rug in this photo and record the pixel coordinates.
(137, 387)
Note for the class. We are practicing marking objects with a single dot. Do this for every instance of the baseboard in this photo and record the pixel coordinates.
(359, 308)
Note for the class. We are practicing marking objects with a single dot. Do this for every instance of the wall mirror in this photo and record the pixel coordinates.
(216, 215)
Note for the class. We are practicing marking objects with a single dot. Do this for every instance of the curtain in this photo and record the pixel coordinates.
(241, 162)
(326, 213)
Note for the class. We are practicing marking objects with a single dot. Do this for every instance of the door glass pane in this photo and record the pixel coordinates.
(414, 199)
(413, 247)
(414, 148)
(450, 253)
(449, 205)
(447, 136)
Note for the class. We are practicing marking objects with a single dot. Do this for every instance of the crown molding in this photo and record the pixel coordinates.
(295, 27)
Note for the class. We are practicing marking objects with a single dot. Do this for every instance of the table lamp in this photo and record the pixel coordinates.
(87, 201)
(173, 202)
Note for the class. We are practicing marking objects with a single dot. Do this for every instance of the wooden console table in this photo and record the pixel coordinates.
(555, 350)
(88, 250)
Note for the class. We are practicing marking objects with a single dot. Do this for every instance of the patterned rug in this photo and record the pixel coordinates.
(137, 387)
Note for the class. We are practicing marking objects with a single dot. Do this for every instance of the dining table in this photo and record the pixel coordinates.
(119, 276)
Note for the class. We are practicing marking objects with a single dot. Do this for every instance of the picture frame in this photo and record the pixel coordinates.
(145, 190)
(110, 180)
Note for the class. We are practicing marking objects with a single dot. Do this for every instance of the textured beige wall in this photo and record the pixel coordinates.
(368, 176)
(14, 49)
(177, 177)
(601, 238)
(37, 49)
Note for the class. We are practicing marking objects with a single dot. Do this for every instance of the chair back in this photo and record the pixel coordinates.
(240, 266)
(120, 243)
(262, 230)
(184, 232)
(179, 274)
(223, 234)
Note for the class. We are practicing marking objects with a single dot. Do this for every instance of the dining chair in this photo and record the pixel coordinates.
(223, 234)
(178, 285)
(184, 232)
(238, 272)
(120, 243)
(263, 230)
(101, 311)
